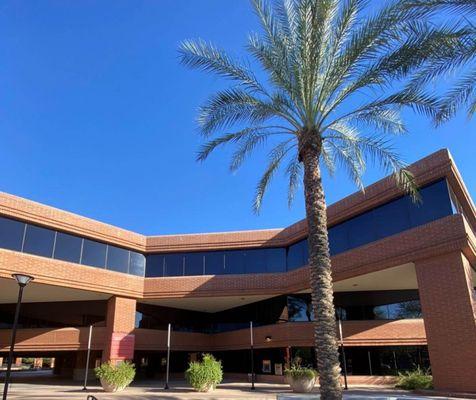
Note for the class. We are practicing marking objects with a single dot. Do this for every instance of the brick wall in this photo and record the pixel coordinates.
(120, 321)
(448, 304)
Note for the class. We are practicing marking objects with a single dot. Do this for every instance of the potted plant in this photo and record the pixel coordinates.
(115, 377)
(204, 375)
(301, 379)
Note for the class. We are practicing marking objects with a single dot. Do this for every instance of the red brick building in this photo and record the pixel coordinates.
(403, 280)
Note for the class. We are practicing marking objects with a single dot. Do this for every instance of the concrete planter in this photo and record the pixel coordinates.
(108, 387)
(207, 388)
(301, 385)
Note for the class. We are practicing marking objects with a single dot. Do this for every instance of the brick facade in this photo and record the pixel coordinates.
(447, 297)
(443, 252)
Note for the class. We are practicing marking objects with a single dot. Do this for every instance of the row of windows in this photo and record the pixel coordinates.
(391, 218)
(386, 220)
(32, 239)
(300, 310)
(217, 263)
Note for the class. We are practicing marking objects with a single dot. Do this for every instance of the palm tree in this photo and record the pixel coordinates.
(444, 63)
(331, 98)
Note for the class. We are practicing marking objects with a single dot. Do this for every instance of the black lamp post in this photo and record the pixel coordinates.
(22, 281)
(252, 357)
(344, 362)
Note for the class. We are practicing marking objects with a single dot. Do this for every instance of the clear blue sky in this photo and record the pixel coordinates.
(97, 117)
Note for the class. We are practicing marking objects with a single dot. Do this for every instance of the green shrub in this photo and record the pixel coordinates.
(417, 379)
(120, 375)
(296, 371)
(204, 374)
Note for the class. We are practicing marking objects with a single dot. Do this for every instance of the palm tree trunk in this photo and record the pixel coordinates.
(321, 277)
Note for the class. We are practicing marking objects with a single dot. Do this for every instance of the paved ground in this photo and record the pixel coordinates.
(179, 390)
(42, 385)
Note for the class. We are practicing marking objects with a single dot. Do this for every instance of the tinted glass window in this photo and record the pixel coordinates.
(117, 259)
(361, 230)
(338, 241)
(94, 253)
(234, 262)
(194, 263)
(255, 261)
(155, 266)
(299, 309)
(305, 251)
(11, 234)
(173, 265)
(67, 247)
(39, 241)
(392, 218)
(137, 264)
(296, 254)
(275, 260)
(214, 263)
(435, 203)
(406, 309)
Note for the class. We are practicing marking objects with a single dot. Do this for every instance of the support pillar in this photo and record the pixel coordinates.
(120, 321)
(448, 303)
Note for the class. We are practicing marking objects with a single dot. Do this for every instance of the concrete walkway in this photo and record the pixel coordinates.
(179, 390)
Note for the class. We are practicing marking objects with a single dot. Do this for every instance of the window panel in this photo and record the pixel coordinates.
(94, 253)
(155, 266)
(305, 252)
(137, 264)
(234, 262)
(255, 261)
(39, 241)
(435, 203)
(68, 247)
(300, 309)
(173, 265)
(338, 240)
(194, 263)
(295, 257)
(392, 218)
(275, 260)
(214, 263)
(117, 259)
(11, 234)
(361, 230)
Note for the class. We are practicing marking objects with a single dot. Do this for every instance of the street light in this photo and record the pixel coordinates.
(22, 281)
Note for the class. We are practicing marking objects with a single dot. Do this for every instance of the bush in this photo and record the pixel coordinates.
(120, 375)
(296, 371)
(206, 374)
(417, 379)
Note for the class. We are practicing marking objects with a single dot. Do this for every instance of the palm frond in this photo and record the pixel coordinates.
(455, 6)
(464, 91)
(207, 148)
(230, 106)
(294, 173)
(276, 156)
(206, 57)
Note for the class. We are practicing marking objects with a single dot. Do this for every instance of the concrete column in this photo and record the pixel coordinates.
(120, 320)
(18, 361)
(38, 363)
(448, 303)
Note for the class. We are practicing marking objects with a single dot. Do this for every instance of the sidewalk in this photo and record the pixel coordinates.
(179, 390)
